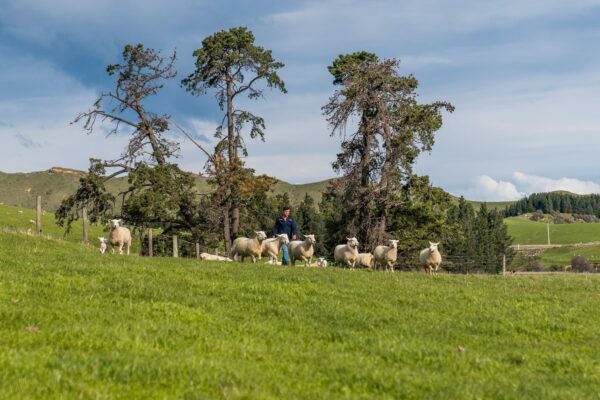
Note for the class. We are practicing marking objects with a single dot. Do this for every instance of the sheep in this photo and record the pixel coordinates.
(346, 254)
(103, 243)
(119, 236)
(320, 263)
(245, 247)
(431, 258)
(365, 260)
(213, 257)
(302, 250)
(386, 255)
(270, 247)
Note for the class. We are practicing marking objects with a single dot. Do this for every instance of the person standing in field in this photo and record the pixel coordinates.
(285, 224)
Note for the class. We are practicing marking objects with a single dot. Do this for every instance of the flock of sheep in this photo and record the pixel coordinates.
(303, 250)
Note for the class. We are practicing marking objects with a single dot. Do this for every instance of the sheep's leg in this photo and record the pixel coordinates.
(128, 247)
(121, 248)
(253, 260)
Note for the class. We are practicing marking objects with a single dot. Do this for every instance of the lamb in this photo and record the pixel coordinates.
(303, 250)
(213, 257)
(103, 243)
(119, 236)
(431, 258)
(270, 247)
(346, 254)
(245, 247)
(365, 260)
(322, 262)
(386, 255)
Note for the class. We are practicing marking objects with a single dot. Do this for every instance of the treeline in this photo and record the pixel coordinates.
(561, 202)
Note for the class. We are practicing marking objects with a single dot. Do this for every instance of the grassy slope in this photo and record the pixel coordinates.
(18, 219)
(77, 324)
(21, 189)
(529, 232)
(53, 187)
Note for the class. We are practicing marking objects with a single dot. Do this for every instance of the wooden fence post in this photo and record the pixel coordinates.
(85, 225)
(197, 250)
(150, 244)
(38, 219)
(503, 264)
(175, 247)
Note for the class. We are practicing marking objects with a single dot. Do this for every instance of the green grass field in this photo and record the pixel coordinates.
(19, 219)
(76, 324)
(525, 231)
(563, 255)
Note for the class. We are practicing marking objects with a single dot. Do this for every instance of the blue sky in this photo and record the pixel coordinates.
(524, 77)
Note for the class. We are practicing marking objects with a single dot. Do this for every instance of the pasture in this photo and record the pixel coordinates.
(78, 324)
(525, 231)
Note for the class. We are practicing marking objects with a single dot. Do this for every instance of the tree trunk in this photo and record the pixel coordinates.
(226, 228)
(384, 187)
(233, 164)
(365, 183)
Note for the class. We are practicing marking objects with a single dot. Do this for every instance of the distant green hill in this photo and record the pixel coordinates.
(56, 184)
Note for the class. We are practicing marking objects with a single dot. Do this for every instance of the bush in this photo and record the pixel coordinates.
(556, 268)
(536, 216)
(581, 264)
(535, 266)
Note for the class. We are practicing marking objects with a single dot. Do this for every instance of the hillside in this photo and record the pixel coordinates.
(54, 185)
(529, 232)
(76, 324)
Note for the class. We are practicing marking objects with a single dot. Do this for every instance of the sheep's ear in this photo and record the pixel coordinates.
(436, 244)
(431, 243)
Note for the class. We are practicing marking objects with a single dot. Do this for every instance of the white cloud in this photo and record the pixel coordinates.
(486, 188)
(534, 184)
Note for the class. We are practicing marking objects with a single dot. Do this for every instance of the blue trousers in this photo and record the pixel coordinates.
(286, 255)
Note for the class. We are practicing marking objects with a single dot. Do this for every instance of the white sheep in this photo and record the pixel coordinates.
(303, 250)
(346, 254)
(386, 256)
(103, 243)
(320, 263)
(245, 247)
(213, 257)
(431, 258)
(119, 236)
(365, 260)
(270, 247)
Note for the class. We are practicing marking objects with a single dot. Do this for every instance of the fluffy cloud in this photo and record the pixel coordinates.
(534, 184)
(486, 188)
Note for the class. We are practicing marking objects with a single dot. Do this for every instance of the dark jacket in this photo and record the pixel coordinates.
(285, 226)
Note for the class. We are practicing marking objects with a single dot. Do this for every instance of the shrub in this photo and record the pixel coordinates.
(581, 264)
(556, 268)
(536, 216)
